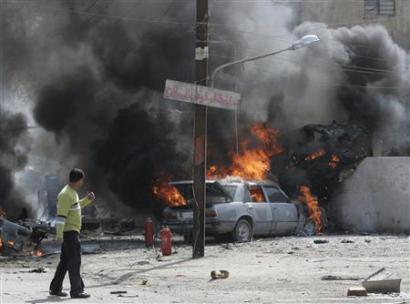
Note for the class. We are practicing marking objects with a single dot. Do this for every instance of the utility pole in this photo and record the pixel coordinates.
(200, 131)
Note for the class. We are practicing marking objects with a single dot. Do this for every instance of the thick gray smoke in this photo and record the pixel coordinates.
(374, 81)
(356, 75)
(12, 158)
(91, 74)
(108, 110)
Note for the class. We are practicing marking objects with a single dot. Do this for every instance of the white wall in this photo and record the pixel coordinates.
(376, 198)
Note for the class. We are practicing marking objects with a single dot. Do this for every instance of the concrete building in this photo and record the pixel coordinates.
(393, 14)
(376, 198)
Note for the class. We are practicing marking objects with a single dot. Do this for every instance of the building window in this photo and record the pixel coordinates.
(379, 7)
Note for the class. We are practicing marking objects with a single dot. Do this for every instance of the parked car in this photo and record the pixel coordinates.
(242, 209)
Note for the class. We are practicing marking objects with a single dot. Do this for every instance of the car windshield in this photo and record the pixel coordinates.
(215, 193)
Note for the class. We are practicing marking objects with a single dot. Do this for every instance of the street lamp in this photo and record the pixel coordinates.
(302, 42)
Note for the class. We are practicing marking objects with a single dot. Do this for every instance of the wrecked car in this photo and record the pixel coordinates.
(12, 236)
(240, 209)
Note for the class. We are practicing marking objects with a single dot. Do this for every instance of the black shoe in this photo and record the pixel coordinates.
(57, 293)
(81, 295)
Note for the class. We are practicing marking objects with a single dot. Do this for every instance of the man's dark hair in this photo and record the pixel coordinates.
(76, 174)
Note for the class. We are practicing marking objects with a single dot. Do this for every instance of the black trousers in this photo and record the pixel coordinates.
(70, 260)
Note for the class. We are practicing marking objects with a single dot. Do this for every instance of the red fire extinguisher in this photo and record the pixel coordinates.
(149, 232)
(166, 241)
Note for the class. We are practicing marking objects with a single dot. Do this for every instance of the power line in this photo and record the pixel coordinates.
(191, 24)
(346, 67)
(211, 1)
(109, 16)
(319, 59)
(160, 21)
(230, 41)
(322, 26)
(330, 84)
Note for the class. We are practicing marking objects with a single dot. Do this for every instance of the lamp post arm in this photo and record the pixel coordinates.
(221, 67)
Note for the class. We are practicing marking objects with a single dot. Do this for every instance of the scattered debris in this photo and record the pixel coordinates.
(37, 252)
(356, 292)
(122, 296)
(382, 285)
(39, 270)
(340, 278)
(346, 241)
(118, 292)
(367, 241)
(122, 227)
(91, 249)
(375, 273)
(40, 229)
(222, 274)
(227, 246)
(320, 241)
(12, 236)
(144, 282)
(15, 235)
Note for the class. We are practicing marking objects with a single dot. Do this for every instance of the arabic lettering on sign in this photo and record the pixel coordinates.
(198, 94)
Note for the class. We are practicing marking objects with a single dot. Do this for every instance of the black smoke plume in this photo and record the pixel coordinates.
(93, 74)
(12, 127)
(110, 113)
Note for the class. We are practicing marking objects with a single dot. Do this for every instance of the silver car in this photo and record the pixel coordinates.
(241, 209)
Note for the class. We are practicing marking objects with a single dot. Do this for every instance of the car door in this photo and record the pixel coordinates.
(259, 207)
(284, 213)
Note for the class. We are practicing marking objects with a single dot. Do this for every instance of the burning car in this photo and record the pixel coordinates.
(238, 207)
(15, 235)
(12, 236)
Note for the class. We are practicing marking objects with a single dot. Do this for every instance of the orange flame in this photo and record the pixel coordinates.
(38, 252)
(252, 163)
(215, 172)
(256, 194)
(269, 137)
(334, 161)
(1, 243)
(169, 194)
(313, 206)
(316, 154)
(2, 213)
(10, 243)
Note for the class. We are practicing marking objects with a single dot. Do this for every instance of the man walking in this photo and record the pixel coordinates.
(68, 226)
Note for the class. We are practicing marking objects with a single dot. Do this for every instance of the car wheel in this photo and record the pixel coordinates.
(309, 229)
(243, 231)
